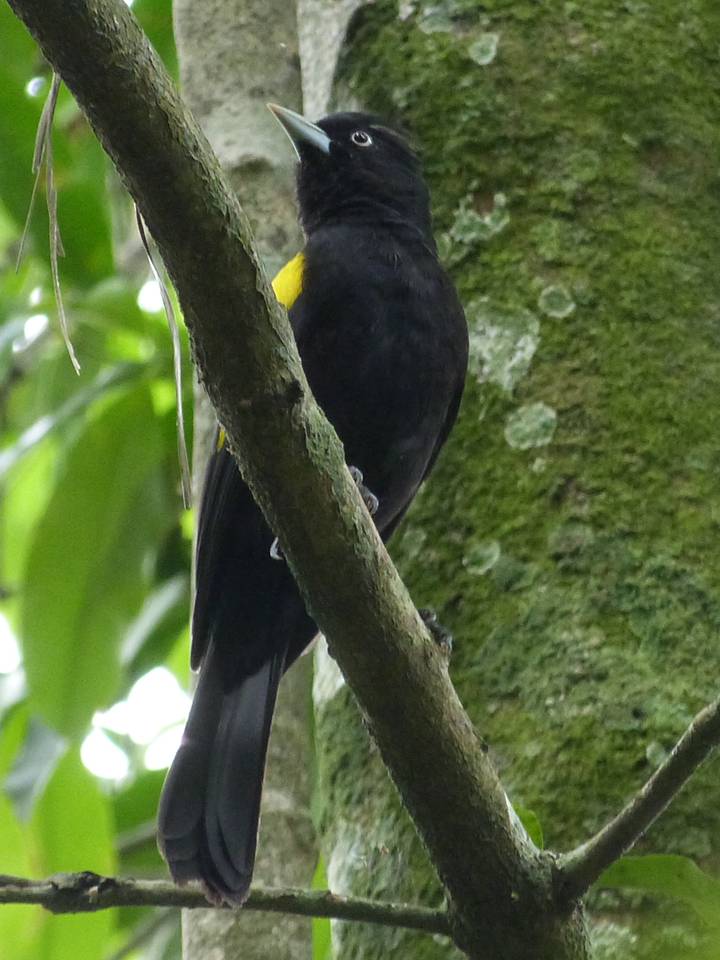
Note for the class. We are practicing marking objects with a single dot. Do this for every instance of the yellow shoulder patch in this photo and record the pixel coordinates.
(288, 282)
(287, 287)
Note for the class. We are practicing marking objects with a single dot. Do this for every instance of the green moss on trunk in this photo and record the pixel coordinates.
(569, 536)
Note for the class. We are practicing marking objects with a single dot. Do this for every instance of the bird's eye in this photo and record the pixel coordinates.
(361, 139)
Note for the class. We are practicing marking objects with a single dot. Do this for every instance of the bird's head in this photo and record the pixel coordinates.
(353, 166)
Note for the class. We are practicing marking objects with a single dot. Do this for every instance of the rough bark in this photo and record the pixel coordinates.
(572, 549)
(233, 58)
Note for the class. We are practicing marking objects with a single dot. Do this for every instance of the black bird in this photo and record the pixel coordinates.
(383, 341)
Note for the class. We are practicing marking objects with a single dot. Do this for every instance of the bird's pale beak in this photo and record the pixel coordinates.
(300, 130)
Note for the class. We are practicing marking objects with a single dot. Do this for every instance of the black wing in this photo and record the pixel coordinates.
(246, 603)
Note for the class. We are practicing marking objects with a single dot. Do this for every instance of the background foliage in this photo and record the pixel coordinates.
(94, 548)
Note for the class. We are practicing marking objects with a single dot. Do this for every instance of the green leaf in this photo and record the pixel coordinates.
(72, 822)
(17, 923)
(19, 62)
(530, 821)
(51, 380)
(178, 659)
(671, 875)
(80, 172)
(105, 381)
(71, 830)
(136, 803)
(34, 765)
(114, 300)
(11, 329)
(12, 692)
(155, 18)
(135, 809)
(25, 496)
(87, 571)
(321, 933)
(7, 229)
(80, 164)
(152, 635)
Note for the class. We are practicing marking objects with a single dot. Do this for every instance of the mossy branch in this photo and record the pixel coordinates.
(499, 885)
(89, 892)
(580, 868)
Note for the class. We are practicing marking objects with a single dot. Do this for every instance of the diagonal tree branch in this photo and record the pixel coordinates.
(88, 893)
(580, 868)
(499, 884)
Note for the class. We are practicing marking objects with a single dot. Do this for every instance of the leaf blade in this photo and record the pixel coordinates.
(84, 579)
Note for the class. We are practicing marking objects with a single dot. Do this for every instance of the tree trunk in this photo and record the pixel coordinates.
(568, 537)
(235, 56)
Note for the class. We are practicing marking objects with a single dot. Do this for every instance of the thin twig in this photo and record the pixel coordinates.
(177, 362)
(43, 152)
(56, 245)
(88, 892)
(41, 139)
(580, 868)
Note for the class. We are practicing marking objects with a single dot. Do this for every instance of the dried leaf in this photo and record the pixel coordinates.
(177, 362)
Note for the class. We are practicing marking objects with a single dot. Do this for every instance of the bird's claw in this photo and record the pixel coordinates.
(369, 499)
(440, 634)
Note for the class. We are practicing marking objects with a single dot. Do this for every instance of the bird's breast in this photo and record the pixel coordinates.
(377, 334)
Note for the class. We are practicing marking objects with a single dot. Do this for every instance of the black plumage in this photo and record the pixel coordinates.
(383, 342)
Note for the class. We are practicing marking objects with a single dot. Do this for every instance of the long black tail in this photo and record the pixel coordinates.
(210, 804)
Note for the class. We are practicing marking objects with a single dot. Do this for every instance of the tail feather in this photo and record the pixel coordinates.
(210, 805)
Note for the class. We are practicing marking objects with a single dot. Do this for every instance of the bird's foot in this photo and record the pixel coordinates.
(440, 634)
(369, 499)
